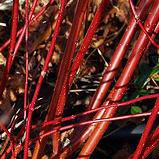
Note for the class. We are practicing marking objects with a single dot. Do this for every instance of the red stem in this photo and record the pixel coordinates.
(147, 130)
(4, 156)
(87, 40)
(5, 130)
(14, 26)
(26, 56)
(152, 143)
(14, 48)
(45, 67)
(141, 26)
(121, 85)
(72, 117)
(13, 54)
(24, 29)
(12, 44)
(64, 128)
(61, 88)
(111, 70)
(156, 31)
(31, 21)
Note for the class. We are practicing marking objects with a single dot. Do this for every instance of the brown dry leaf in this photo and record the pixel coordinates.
(97, 2)
(29, 153)
(5, 107)
(16, 81)
(155, 76)
(97, 43)
(12, 96)
(123, 11)
(2, 59)
(56, 57)
(44, 157)
(44, 28)
(65, 136)
(108, 29)
(14, 87)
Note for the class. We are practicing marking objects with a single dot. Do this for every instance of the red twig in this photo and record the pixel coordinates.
(147, 130)
(14, 48)
(4, 156)
(12, 45)
(14, 26)
(14, 52)
(61, 87)
(26, 56)
(95, 126)
(151, 143)
(45, 67)
(141, 26)
(121, 85)
(24, 29)
(72, 117)
(87, 40)
(32, 19)
(64, 128)
(111, 70)
(26, 65)
(5, 130)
